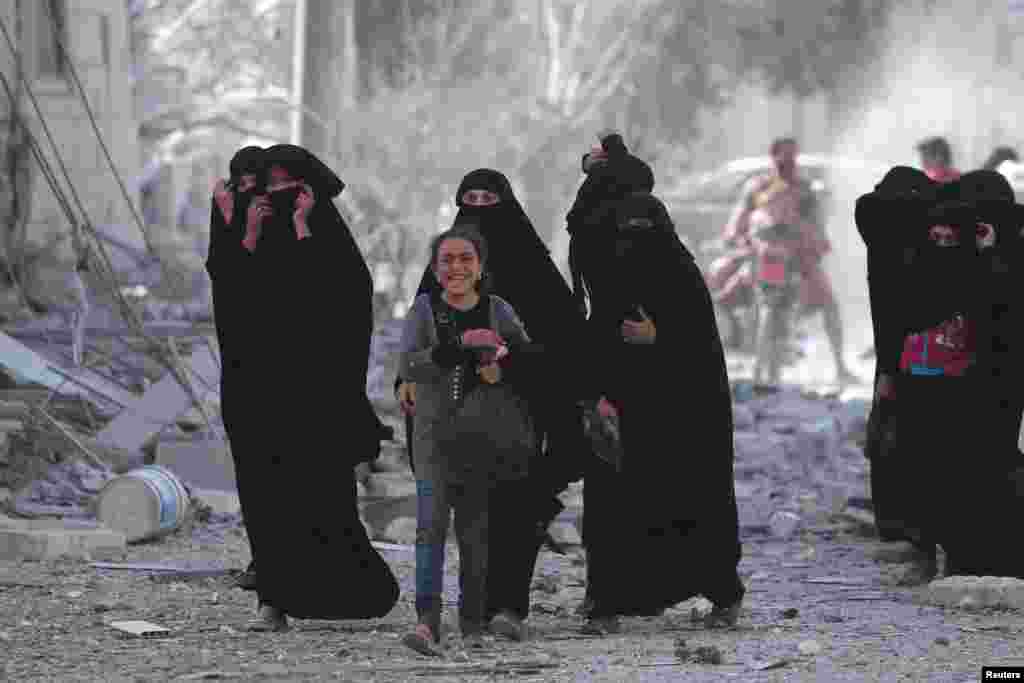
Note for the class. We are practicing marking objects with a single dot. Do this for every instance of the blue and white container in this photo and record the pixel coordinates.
(145, 503)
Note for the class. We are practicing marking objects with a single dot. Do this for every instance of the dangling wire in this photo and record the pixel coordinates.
(175, 365)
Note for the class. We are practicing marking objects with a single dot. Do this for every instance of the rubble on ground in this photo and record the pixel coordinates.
(977, 592)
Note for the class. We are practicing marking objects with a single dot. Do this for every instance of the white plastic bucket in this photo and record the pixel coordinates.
(144, 503)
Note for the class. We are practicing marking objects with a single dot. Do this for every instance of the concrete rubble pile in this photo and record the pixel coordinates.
(799, 459)
(797, 455)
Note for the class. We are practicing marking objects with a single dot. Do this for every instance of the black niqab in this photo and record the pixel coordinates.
(678, 381)
(298, 321)
(591, 223)
(519, 265)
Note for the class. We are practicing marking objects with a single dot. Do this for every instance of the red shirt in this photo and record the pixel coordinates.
(945, 350)
(945, 174)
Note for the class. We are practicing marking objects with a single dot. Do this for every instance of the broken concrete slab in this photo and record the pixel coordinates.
(401, 530)
(391, 485)
(162, 403)
(895, 552)
(977, 592)
(564, 533)
(49, 539)
(33, 367)
(221, 502)
(204, 464)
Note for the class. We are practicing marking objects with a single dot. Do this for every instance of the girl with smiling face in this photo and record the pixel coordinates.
(454, 341)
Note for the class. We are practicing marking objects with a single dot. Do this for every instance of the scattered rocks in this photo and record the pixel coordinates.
(743, 417)
(896, 552)
(547, 583)
(972, 592)
(564, 533)
(784, 524)
(401, 530)
(700, 654)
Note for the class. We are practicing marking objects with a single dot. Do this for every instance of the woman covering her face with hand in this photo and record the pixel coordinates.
(295, 270)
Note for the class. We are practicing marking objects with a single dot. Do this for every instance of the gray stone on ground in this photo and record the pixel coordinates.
(391, 484)
(895, 552)
(36, 540)
(785, 524)
(221, 502)
(743, 417)
(401, 530)
(977, 592)
(564, 533)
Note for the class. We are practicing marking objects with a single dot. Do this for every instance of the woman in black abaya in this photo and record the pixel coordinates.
(612, 174)
(299, 278)
(675, 533)
(521, 271)
(224, 263)
(954, 387)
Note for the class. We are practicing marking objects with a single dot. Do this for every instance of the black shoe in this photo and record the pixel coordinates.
(268, 620)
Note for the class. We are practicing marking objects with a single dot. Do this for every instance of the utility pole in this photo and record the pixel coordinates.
(330, 71)
(298, 71)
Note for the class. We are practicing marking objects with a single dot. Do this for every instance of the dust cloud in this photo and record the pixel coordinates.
(946, 69)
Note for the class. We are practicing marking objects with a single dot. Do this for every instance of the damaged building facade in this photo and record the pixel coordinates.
(41, 87)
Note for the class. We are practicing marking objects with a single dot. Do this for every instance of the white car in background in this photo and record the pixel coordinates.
(1014, 172)
(701, 203)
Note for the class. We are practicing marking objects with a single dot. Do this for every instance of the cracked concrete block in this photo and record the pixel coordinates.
(565, 533)
(221, 502)
(391, 485)
(977, 591)
(46, 539)
(895, 552)
(401, 530)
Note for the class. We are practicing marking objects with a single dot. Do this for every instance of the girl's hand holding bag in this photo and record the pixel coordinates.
(488, 433)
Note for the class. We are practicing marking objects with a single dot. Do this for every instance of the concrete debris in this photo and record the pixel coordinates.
(968, 592)
(784, 524)
(564, 534)
(38, 540)
(401, 531)
(894, 552)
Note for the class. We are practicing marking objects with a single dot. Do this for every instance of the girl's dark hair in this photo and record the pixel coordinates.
(464, 231)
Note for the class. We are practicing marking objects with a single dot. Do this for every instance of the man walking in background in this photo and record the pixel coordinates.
(937, 159)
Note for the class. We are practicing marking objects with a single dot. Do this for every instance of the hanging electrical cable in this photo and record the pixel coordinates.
(164, 354)
(65, 53)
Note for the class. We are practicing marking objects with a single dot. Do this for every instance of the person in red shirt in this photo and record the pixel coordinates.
(949, 443)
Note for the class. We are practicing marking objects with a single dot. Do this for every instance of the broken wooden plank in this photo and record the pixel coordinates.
(97, 383)
(162, 404)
